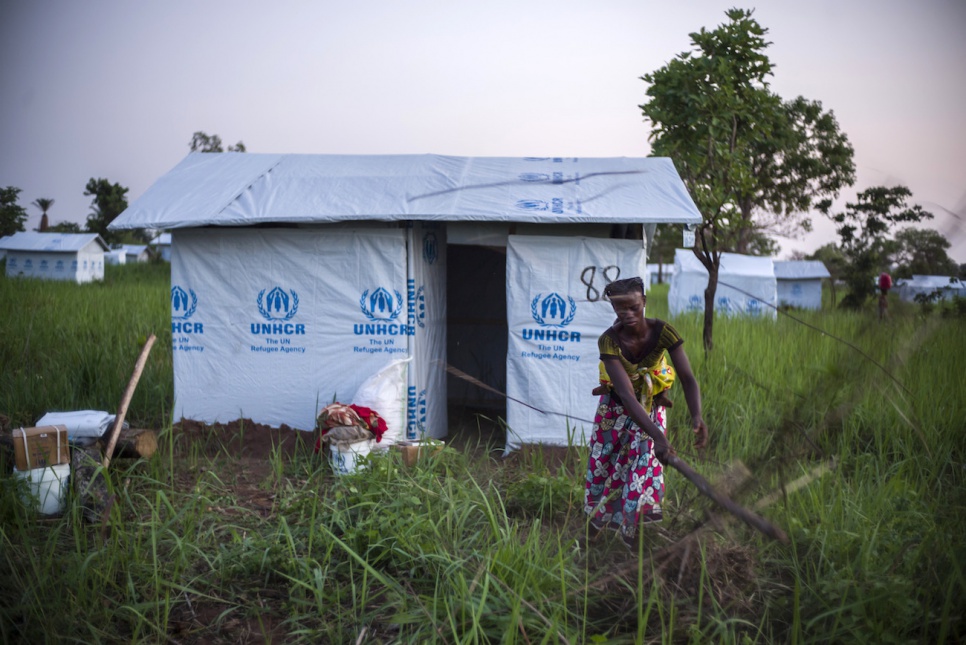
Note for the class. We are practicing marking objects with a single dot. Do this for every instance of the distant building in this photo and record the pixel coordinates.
(660, 273)
(115, 256)
(800, 283)
(927, 284)
(162, 245)
(137, 253)
(746, 285)
(55, 256)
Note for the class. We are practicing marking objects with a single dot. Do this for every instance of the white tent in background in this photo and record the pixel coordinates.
(746, 285)
(78, 257)
(925, 285)
(800, 283)
(660, 273)
(296, 278)
(137, 253)
(162, 246)
(115, 256)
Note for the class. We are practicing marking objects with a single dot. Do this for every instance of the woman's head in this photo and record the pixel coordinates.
(628, 300)
(626, 287)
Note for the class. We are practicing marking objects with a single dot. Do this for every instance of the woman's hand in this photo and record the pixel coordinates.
(664, 451)
(701, 430)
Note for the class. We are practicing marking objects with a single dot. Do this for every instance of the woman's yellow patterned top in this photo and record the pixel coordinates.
(649, 371)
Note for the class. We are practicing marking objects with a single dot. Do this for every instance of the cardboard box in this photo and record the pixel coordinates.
(413, 451)
(40, 447)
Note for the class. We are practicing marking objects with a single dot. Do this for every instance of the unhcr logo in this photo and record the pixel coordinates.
(183, 306)
(382, 308)
(278, 307)
(552, 311)
(415, 413)
(430, 248)
(532, 205)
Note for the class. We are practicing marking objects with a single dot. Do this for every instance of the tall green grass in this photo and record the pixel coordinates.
(468, 549)
(65, 346)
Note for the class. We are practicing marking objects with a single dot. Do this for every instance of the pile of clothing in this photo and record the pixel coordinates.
(342, 424)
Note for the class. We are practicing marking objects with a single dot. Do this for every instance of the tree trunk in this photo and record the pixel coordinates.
(744, 233)
(709, 292)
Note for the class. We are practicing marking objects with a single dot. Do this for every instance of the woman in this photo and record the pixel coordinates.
(628, 447)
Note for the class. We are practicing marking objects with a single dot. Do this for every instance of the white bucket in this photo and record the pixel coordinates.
(46, 488)
(345, 458)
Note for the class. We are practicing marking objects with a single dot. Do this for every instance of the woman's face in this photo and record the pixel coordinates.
(629, 308)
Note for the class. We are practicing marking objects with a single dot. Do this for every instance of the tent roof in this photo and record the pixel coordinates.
(800, 269)
(731, 264)
(240, 189)
(51, 242)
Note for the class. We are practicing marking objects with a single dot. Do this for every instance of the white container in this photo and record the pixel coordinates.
(345, 458)
(46, 490)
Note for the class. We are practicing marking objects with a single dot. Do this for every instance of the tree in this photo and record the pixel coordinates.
(806, 157)
(738, 147)
(202, 142)
(109, 201)
(65, 227)
(922, 251)
(864, 233)
(12, 214)
(44, 204)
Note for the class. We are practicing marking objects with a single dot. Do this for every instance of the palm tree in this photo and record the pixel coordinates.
(44, 204)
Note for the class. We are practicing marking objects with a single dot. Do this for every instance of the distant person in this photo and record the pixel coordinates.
(885, 283)
(628, 446)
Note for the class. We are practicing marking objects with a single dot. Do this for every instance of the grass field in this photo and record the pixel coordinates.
(863, 445)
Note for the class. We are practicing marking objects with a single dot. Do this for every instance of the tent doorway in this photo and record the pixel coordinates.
(476, 341)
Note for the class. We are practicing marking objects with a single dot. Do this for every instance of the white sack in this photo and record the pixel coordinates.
(385, 392)
(555, 314)
(80, 423)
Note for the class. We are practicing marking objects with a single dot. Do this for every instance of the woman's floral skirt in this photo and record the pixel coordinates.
(625, 481)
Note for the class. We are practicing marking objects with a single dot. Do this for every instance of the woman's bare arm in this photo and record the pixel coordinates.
(692, 394)
(621, 383)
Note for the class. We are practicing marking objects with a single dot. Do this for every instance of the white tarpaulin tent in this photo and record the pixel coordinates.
(753, 277)
(78, 257)
(927, 284)
(555, 319)
(662, 271)
(295, 278)
(800, 283)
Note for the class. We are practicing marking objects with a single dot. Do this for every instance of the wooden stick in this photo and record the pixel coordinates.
(748, 517)
(128, 395)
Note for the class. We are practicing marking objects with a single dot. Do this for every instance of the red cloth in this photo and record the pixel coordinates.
(885, 281)
(338, 414)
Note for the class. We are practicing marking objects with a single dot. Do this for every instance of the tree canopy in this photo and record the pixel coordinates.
(864, 228)
(740, 149)
(109, 201)
(203, 142)
(922, 251)
(44, 204)
(12, 214)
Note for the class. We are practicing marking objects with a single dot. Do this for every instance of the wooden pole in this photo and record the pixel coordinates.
(126, 401)
(750, 518)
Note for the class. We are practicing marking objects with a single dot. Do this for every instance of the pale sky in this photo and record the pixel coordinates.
(115, 89)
